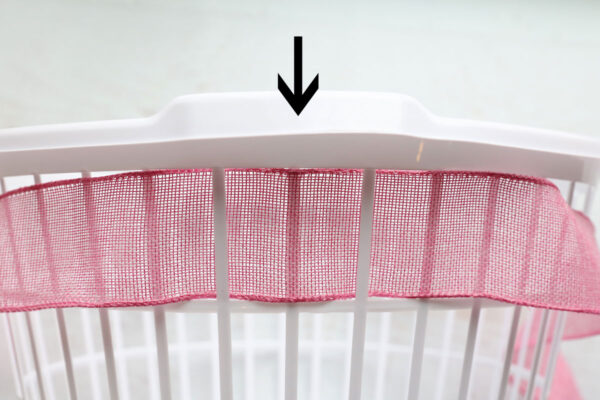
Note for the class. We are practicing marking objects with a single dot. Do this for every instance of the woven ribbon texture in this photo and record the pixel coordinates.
(293, 235)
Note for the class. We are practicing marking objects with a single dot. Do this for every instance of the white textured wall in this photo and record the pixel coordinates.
(532, 62)
(535, 63)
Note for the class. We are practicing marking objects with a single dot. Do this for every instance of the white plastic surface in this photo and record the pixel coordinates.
(337, 129)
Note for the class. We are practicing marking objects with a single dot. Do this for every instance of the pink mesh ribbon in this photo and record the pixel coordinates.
(147, 238)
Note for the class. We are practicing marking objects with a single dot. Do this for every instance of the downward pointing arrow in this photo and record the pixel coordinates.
(297, 99)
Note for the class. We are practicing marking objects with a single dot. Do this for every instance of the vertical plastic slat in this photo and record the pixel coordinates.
(510, 346)
(36, 324)
(561, 317)
(539, 345)
(554, 350)
(117, 329)
(522, 356)
(291, 286)
(222, 284)
(448, 329)
(13, 349)
(162, 352)
(88, 336)
(291, 353)
(436, 187)
(29, 383)
(250, 354)
(14, 360)
(50, 264)
(160, 329)
(281, 354)
(315, 363)
(34, 353)
(109, 355)
(347, 343)
(383, 349)
(66, 350)
(469, 350)
(571, 194)
(214, 354)
(418, 347)
(31, 334)
(498, 367)
(589, 199)
(362, 284)
(150, 356)
(182, 356)
(60, 319)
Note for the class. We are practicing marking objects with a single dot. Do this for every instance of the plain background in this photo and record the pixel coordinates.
(533, 63)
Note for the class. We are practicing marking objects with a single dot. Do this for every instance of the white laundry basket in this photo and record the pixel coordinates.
(369, 348)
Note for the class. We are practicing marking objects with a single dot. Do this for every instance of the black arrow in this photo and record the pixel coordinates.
(297, 99)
